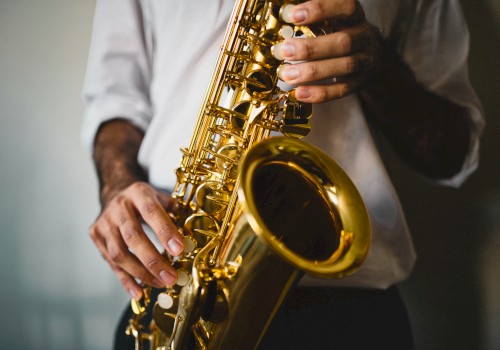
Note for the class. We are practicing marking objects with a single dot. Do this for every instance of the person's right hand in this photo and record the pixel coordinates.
(117, 233)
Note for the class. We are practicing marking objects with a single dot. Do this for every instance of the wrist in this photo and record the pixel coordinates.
(116, 150)
(109, 191)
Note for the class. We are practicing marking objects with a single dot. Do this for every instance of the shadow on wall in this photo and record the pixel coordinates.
(454, 293)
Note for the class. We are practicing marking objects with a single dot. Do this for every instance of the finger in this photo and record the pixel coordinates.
(337, 44)
(117, 255)
(164, 198)
(318, 10)
(323, 93)
(128, 282)
(151, 209)
(134, 237)
(313, 71)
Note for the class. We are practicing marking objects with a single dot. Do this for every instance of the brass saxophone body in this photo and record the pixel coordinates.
(256, 211)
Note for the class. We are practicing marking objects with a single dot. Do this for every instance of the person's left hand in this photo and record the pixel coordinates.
(341, 61)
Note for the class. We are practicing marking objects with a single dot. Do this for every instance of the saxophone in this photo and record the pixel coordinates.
(256, 212)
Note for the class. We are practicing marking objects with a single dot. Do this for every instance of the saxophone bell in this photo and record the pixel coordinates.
(299, 213)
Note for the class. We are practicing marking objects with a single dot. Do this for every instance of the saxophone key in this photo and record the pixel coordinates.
(296, 128)
(183, 278)
(259, 84)
(164, 320)
(286, 32)
(227, 157)
(201, 227)
(139, 306)
(285, 13)
(189, 244)
(211, 198)
(165, 300)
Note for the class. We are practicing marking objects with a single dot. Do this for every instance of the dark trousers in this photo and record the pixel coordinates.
(329, 318)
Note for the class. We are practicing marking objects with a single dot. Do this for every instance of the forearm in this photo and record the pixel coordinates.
(429, 132)
(127, 203)
(116, 148)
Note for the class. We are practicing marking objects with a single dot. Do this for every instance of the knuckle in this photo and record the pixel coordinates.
(345, 42)
(343, 90)
(116, 202)
(99, 230)
(350, 7)
(148, 208)
(122, 220)
(311, 72)
(317, 7)
(136, 186)
(93, 233)
(139, 187)
(164, 232)
(308, 49)
(116, 255)
(130, 236)
(151, 262)
(322, 95)
(350, 65)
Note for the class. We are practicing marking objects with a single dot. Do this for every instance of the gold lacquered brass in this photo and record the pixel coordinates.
(256, 211)
(316, 197)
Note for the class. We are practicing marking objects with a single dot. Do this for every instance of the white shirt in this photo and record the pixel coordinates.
(151, 61)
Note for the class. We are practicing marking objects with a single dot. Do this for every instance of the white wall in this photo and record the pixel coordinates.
(56, 291)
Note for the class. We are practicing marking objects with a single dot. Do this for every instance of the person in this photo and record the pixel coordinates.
(391, 68)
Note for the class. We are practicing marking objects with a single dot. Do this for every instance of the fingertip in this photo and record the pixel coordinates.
(302, 93)
(295, 14)
(299, 15)
(286, 13)
(168, 278)
(175, 246)
(136, 293)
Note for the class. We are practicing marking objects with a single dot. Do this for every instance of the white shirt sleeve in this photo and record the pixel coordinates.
(119, 67)
(436, 47)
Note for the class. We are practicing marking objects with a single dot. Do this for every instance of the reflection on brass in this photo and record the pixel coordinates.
(259, 210)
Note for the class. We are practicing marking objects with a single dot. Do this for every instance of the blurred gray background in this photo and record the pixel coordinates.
(57, 293)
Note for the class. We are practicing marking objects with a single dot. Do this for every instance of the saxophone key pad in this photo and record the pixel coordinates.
(287, 32)
(189, 244)
(182, 278)
(165, 301)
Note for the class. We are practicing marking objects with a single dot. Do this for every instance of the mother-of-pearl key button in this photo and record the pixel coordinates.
(189, 244)
(165, 301)
(182, 278)
(286, 32)
(285, 13)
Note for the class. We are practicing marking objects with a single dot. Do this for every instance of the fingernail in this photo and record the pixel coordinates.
(302, 93)
(289, 73)
(287, 49)
(167, 278)
(175, 247)
(299, 15)
(283, 50)
(135, 293)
